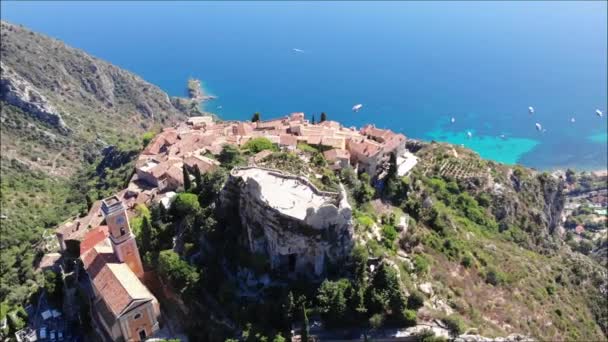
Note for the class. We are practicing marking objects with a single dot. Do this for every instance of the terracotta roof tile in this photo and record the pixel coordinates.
(93, 237)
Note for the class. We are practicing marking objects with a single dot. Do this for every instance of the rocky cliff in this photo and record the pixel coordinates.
(60, 107)
(20, 93)
(301, 244)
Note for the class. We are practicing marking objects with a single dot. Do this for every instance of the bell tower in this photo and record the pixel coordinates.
(123, 240)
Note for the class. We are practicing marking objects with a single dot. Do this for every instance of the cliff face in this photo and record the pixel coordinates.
(76, 82)
(82, 102)
(60, 108)
(292, 245)
(20, 93)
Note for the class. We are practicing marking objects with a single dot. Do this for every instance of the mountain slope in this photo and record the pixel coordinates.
(492, 237)
(60, 109)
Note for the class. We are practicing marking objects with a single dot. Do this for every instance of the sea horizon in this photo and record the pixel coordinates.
(393, 58)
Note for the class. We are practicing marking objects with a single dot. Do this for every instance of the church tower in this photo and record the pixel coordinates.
(123, 240)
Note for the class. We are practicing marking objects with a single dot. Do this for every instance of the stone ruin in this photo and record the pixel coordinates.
(299, 228)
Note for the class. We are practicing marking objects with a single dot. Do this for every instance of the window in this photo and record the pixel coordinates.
(122, 231)
(137, 316)
(142, 335)
(292, 262)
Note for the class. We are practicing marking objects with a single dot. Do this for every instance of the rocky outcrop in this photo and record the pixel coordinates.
(77, 83)
(478, 338)
(302, 239)
(22, 94)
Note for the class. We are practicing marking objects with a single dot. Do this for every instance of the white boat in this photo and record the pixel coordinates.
(453, 119)
(469, 134)
(573, 120)
(539, 127)
(531, 110)
(599, 113)
(357, 107)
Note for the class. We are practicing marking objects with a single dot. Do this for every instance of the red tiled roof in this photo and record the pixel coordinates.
(75, 230)
(204, 164)
(115, 282)
(335, 153)
(366, 148)
(93, 237)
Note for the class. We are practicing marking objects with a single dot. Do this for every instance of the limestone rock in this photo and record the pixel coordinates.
(298, 227)
(20, 93)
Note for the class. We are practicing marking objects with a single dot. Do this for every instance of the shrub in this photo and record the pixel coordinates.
(181, 275)
(260, 144)
(146, 138)
(409, 317)
(185, 204)
(365, 221)
(421, 264)
(364, 192)
(376, 321)
(332, 297)
(454, 324)
(427, 335)
(415, 300)
(495, 277)
(230, 157)
(389, 234)
(467, 260)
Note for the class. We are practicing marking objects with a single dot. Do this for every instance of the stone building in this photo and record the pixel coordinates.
(123, 309)
(299, 228)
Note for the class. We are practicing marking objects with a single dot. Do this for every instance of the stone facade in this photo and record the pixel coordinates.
(300, 229)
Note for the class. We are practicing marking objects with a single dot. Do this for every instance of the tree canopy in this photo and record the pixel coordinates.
(255, 117)
(259, 144)
(181, 275)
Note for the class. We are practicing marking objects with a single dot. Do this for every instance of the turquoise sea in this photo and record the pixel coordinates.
(413, 65)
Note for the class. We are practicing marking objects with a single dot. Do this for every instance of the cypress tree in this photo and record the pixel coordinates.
(146, 234)
(256, 117)
(313, 119)
(162, 213)
(323, 117)
(89, 201)
(305, 327)
(199, 178)
(187, 182)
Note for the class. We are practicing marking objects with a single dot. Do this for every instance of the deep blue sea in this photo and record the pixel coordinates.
(413, 65)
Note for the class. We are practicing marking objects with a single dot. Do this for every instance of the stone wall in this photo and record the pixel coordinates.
(293, 246)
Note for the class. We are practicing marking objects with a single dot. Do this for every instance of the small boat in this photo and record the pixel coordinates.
(357, 107)
(531, 110)
(573, 120)
(453, 120)
(297, 50)
(503, 137)
(469, 134)
(599, 113)
(539, 127)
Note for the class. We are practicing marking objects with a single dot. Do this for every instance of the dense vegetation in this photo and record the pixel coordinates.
(481, 237)
(488, 268)
(47, 174)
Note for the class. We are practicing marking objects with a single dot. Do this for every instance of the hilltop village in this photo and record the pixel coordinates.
(289, 212)
(282, 212)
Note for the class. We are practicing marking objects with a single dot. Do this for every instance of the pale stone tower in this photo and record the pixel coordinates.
(123, 240)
